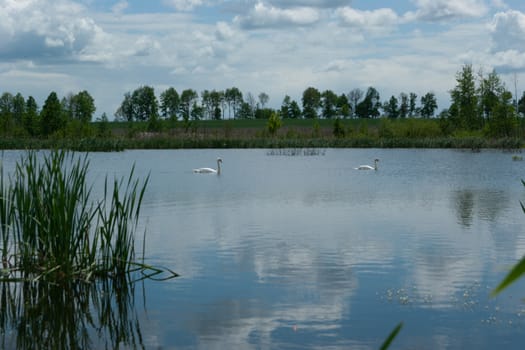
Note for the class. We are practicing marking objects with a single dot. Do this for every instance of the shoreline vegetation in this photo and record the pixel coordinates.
(483, 114)
(222, 134)
(52, 229)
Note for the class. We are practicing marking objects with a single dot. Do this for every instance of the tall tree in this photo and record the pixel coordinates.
(412, 105)
(30, 120)
(169, 103)
(6, 111)
(428, 105)
(285, 107)
(354, 97)
(187, 101)
(369, 107)
(521, 105)
(126, 111)
(490, 93)
(250, 99)
(234, 99)
(329, 104)
(311, 102)
(343, 106)
(51, 115)
(463, 110)
(404, 106)
(19, 107)
(146, 107)
(391, 107)
(83, 107)
(503, 121)
(263, 99)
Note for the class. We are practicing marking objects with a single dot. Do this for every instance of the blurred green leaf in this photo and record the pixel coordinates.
(392, 336)
(517, 271)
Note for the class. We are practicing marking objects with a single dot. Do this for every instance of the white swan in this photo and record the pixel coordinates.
(368, 167)
(210, 170)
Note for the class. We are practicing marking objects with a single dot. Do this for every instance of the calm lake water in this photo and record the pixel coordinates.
(305, 252)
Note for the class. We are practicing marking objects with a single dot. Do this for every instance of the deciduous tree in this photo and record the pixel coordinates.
(169, 103)
(311, 103)
(51, 114)
(369, 107)
(428, 105)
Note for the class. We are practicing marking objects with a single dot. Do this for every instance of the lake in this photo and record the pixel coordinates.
(303, 251)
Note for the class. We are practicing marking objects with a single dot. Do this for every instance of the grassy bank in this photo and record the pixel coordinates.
(300, 133)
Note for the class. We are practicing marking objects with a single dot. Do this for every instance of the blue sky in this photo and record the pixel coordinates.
(279, 47)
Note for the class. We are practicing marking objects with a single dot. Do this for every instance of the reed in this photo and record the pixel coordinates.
(51, 227)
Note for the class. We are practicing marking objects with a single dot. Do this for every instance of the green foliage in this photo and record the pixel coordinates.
(51, 115)
(391, 337)
(391, 108)
(52, 229)
(311, 103)
(274, 123)
(329, 104)
(515, 273)
(169, 103)
(428, 105)
(369, 107)
(339, 129)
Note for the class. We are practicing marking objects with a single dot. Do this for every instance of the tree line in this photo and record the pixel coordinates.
(143, 105)
(478, 102)
(70, 115)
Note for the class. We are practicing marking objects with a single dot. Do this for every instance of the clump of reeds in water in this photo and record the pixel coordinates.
(292, 152)
(50, 227)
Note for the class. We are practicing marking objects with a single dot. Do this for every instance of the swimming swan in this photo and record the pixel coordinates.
(210, 170)
(368, 167)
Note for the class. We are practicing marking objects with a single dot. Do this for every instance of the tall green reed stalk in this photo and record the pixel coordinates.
(51, 227)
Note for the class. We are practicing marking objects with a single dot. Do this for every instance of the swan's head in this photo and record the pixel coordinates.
(219, 160)
(376, 160)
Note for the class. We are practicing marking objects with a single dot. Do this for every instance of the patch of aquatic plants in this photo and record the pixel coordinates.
(51, 229)
(293, 152)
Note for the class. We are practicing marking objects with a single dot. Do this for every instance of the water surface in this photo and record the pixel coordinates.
(298, 252)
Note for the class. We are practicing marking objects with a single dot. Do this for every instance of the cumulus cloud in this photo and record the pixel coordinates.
(368, 20)
(508, 31)
(263, 15)
(119, 7)
(508, 38)
(33, 29)
(224, 31)
(309, 3)
(184, 5)
(440, 10)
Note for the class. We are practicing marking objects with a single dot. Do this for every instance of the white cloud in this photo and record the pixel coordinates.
(508, 39)
(263, 15)
(440, 10)
(309, 3)
(508, 31)
(368, 20)
(119, 7)
(184, 5)
(32, 29)
(499, 4)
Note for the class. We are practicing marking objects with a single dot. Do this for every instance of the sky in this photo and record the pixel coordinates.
(279, 47)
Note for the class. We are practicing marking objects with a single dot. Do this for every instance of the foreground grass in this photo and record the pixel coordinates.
(51, 228)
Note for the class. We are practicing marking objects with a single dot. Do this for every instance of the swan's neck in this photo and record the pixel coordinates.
(218, 167)
(375, 164)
